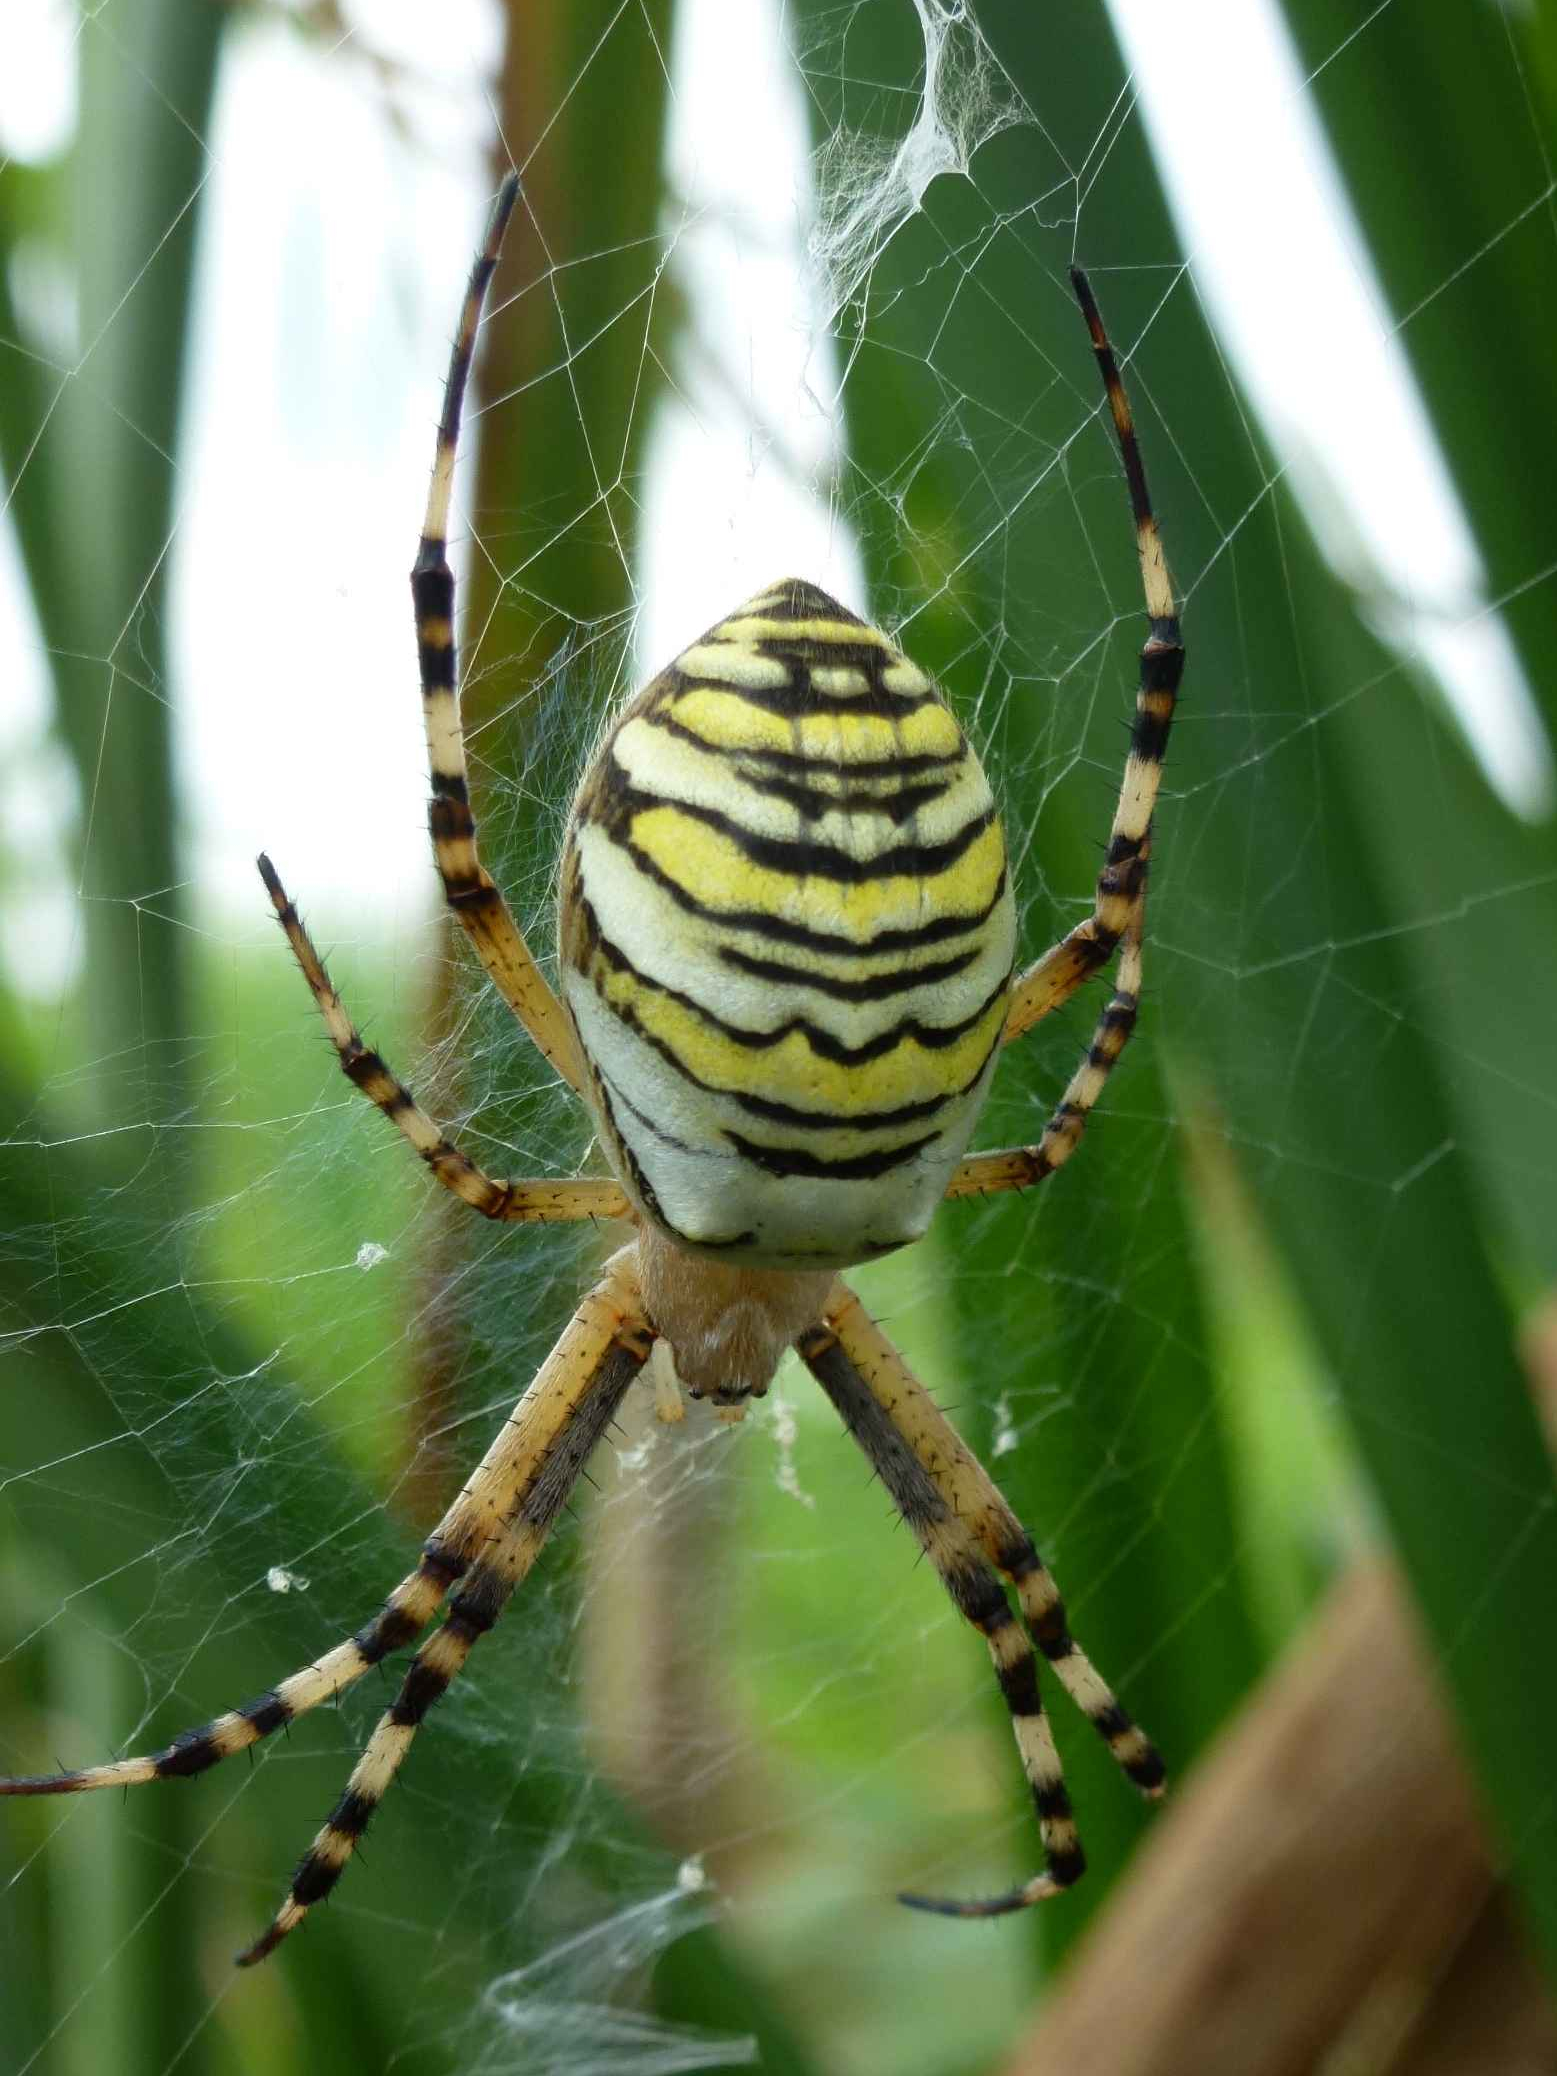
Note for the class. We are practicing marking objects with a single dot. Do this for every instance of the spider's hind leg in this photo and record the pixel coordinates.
(979, 1598)
(403, 1616)
(971, 1535)
(506, 1512)
(975, 1499)
(453, 1553)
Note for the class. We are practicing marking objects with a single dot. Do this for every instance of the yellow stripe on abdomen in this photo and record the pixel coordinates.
(797, 1068)
(714, 871)
(725, 721)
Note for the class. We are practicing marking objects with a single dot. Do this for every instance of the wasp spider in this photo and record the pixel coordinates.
(787, 934)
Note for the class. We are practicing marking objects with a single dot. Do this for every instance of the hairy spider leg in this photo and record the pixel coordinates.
(528, 1473)
(467, 886)
(523, 1203)
(407, 1611)
(1121, 887)
(970, 1535)
(475, 1516)
(977, 1595)
(1017, 1167)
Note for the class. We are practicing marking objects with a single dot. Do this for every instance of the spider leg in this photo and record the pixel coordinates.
(970, 1534)
(404, 1615)
(515, 1202)
(1121, 886)
(978, 1501)
(483, 1504)
(467, 886)
(1016, 1167)
(511, 1503)
(978, 1596)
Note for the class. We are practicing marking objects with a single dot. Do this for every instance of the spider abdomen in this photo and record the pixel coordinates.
(787, 937)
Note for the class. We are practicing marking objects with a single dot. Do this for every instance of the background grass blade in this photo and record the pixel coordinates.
(1308, 972)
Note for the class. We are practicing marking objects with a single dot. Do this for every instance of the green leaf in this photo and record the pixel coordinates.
(1337, 899)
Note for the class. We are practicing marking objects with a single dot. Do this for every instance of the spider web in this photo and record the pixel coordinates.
(657, 1825)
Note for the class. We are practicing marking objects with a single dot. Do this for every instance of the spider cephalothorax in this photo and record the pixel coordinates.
(725, 1326)
(786, 945)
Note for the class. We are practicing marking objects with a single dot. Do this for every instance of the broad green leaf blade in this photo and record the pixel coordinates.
(1356, 1158)
(1284, 919)
(1362, 921)
(1080, 1329)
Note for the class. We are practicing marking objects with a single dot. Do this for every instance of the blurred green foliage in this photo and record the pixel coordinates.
(1277, 1294)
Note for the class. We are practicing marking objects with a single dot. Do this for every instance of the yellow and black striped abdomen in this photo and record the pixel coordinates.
(787, 938)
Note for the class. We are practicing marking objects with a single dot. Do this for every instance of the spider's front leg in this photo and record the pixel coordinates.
(1018, 1167)
(972, 1537)
(1118, 917)
(1121, 886)
(540, 1202)
(468, 887)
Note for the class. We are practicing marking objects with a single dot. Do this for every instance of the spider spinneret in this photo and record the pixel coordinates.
(787, 936)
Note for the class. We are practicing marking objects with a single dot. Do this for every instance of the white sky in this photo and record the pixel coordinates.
(360, 240)
(1220, 88)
